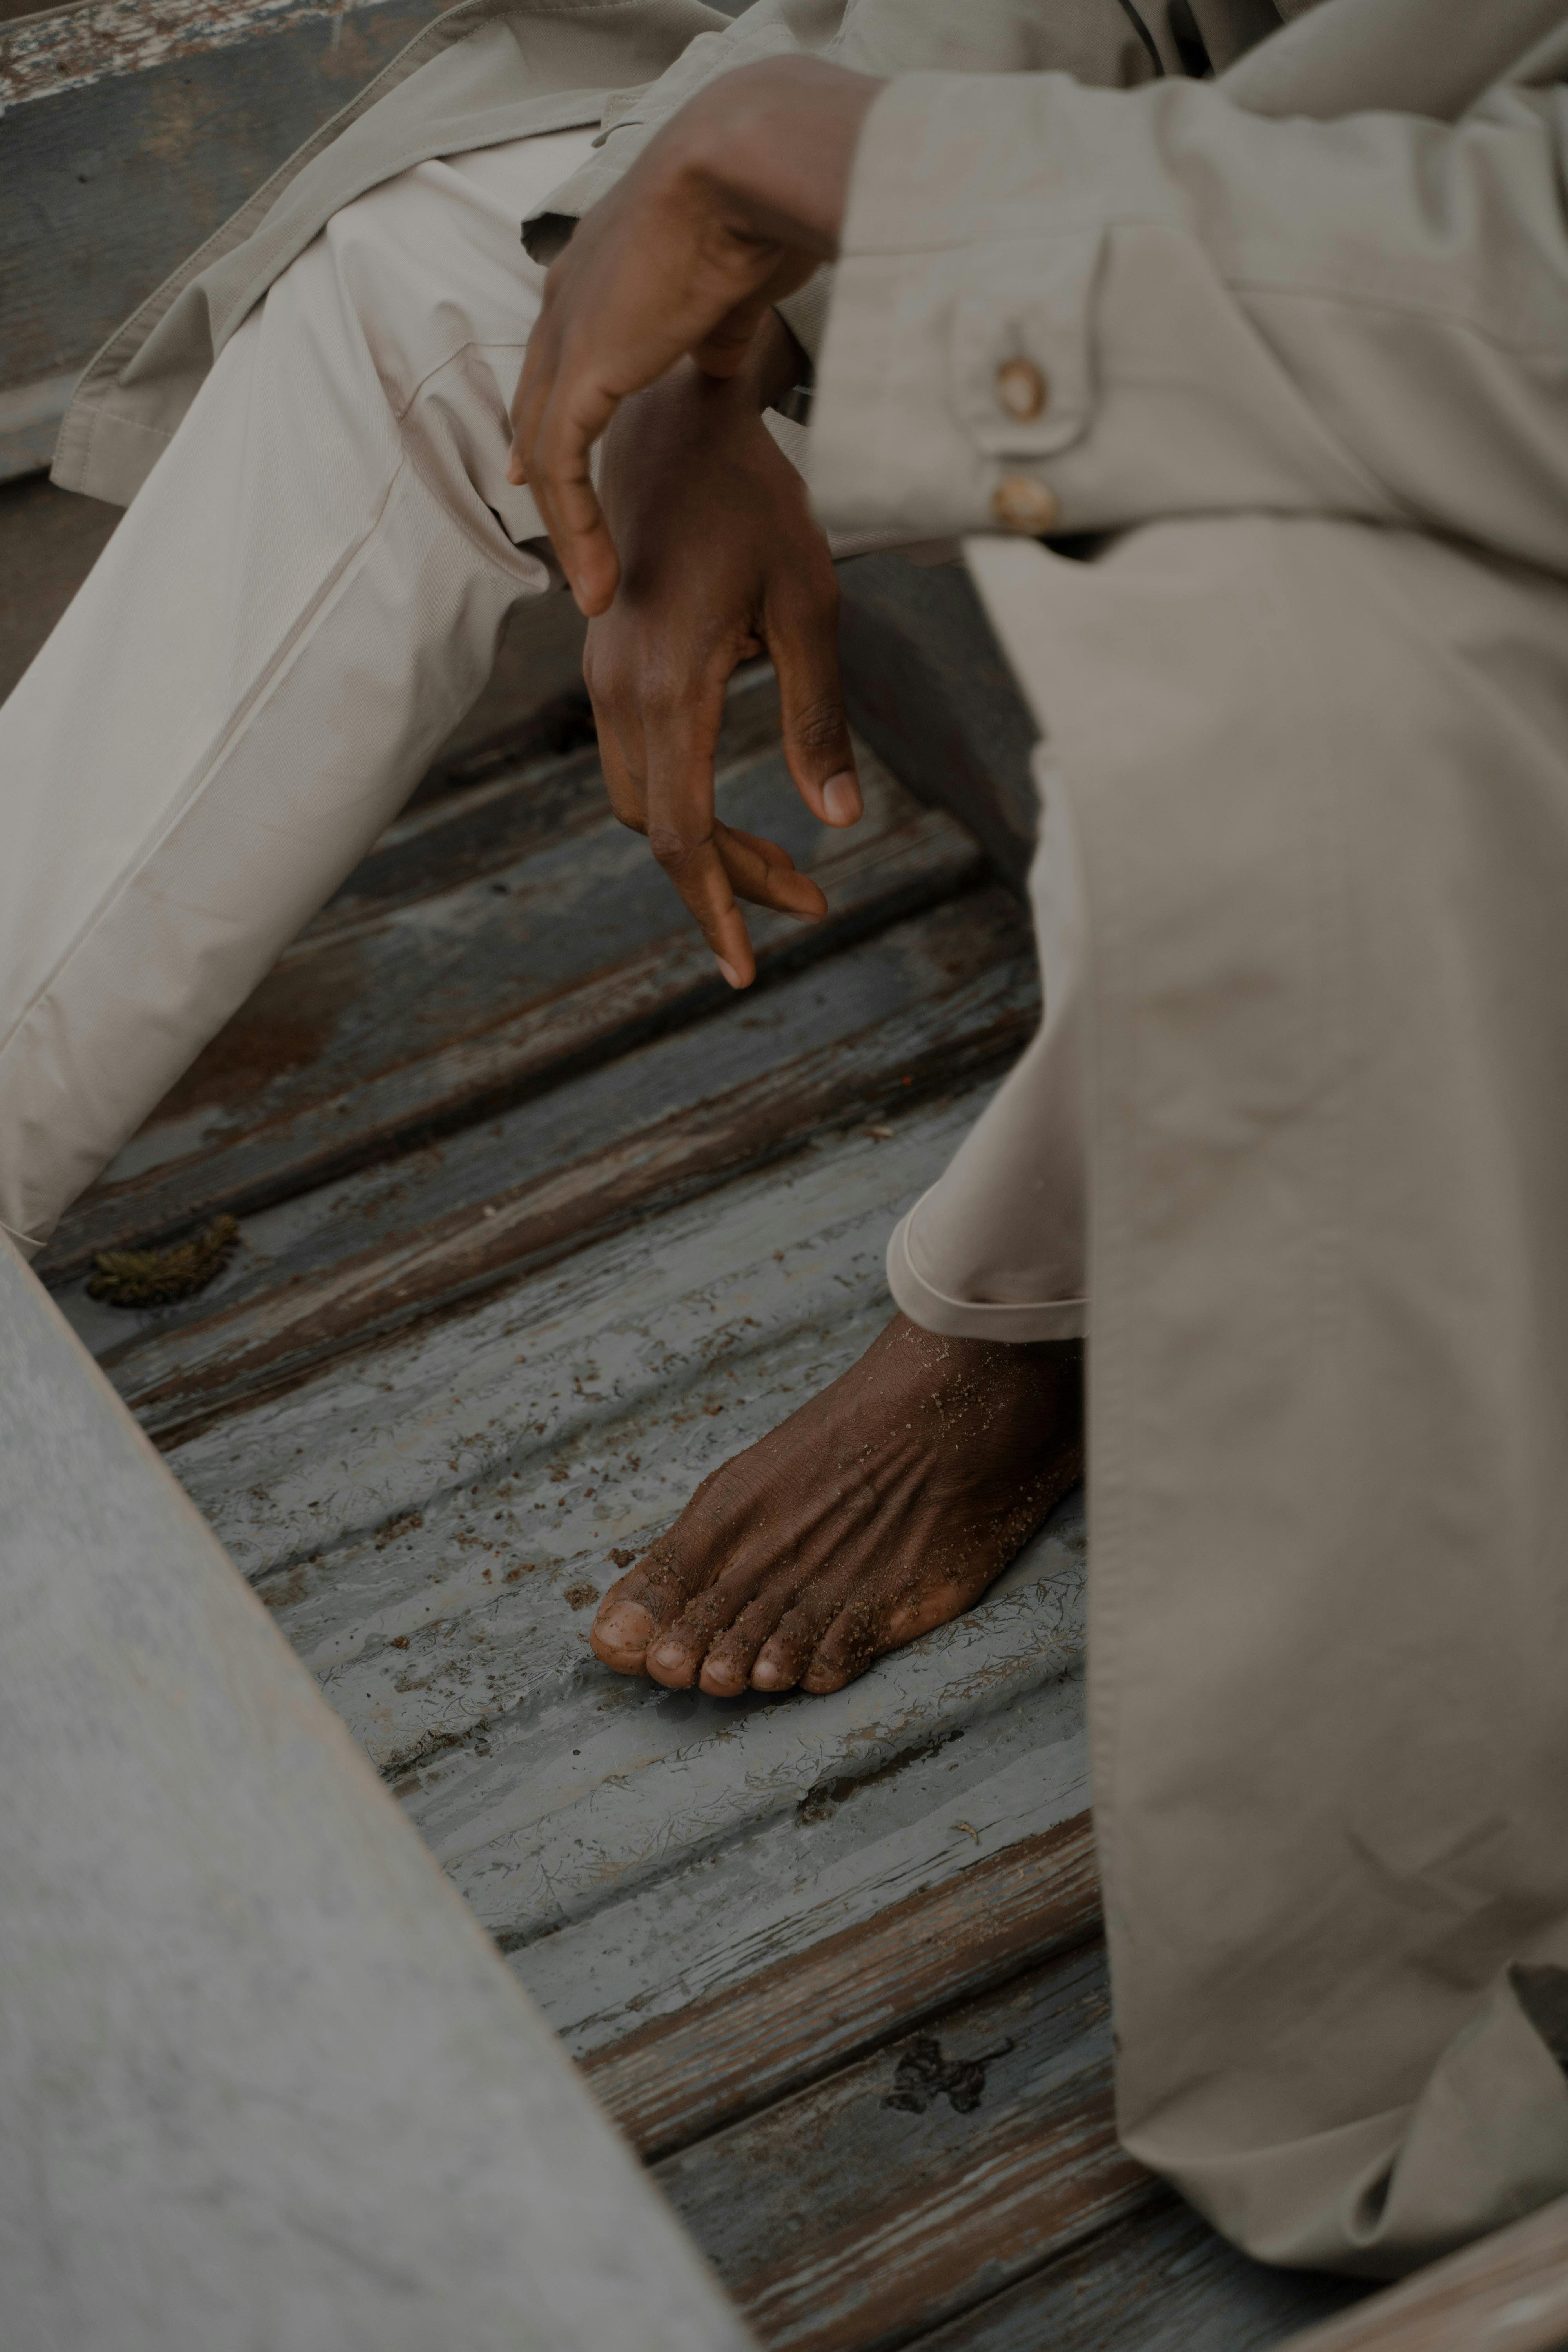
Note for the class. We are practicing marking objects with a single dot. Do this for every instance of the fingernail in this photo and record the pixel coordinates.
(731, 975)
(841, 798)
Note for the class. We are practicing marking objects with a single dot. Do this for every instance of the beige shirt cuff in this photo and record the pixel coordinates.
(1026, 335)
(1066, 309)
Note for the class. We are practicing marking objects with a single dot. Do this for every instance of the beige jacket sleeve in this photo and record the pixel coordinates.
(1366, 317)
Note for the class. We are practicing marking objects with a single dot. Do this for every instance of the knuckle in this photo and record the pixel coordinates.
(670, 847)
(820, 725)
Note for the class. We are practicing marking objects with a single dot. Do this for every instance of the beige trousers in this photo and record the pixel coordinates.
(303, 600)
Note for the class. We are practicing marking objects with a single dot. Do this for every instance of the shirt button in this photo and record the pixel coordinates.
(1020, 389)
(1022, 505)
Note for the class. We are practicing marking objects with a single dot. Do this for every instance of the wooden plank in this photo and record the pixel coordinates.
(115, 184)
(507, 939)
(271, 2084)
(621, 1351)
(50, 52)
(724, 2057)
(1162, 2281)
(871, 2208)
(850, 1850)
(1507, 2294)
(928, 1005)
(549, 1808)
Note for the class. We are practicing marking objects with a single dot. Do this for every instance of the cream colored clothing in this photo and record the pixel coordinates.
(302, 601)
(1309, 713)
(488, 73)
(998, 1248)
(1363, 317)
(1322, 822)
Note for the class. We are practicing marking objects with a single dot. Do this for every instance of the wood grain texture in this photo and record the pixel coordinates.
(1509, 2294)
(1161, 2281)
(676, 1118)
(862, 2212)
(500, 943)
(723, 2057)
(53, 52)
(853, 1848)
(111, 186)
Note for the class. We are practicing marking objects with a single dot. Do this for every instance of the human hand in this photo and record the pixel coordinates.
(721, 556)
(730, 207)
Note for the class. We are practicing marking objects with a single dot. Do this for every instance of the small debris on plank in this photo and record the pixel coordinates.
(158, 1277)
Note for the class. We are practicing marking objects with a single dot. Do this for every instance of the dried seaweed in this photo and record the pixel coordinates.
(157, 1278)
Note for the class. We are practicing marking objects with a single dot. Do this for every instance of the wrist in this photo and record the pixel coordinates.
(774, 145)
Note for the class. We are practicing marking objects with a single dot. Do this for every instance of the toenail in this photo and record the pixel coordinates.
(669, 1653)
(765, 1676)
(625, 1623)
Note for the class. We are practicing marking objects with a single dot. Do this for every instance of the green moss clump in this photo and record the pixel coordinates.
(157, 1278)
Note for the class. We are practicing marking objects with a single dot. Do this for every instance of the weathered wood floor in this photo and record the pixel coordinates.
(537, 1224)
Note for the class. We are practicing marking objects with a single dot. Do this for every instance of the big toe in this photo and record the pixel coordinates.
(622, 1632)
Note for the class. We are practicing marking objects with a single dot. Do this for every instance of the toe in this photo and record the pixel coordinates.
(728, 1668)
(641, 1603)
(786, 1656)
(867, 1628)
(675, 1658)
(622, 1631)
(917, 1612)
(712, 1621)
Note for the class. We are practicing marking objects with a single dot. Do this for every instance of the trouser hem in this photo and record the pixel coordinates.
(972, 1318)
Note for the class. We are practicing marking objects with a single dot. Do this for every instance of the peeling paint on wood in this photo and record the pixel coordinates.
(63, 49)
(802, 1878)
(843, 2217)
(739, 2048)
(1162, 2281)
(500, 943)
(431, 1254)
(401, 1514)
(116, 182)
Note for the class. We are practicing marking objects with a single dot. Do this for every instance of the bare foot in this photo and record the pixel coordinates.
(883, 1507)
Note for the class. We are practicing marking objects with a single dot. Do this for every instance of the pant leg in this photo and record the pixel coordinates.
(305, 597)
(997, 1249)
